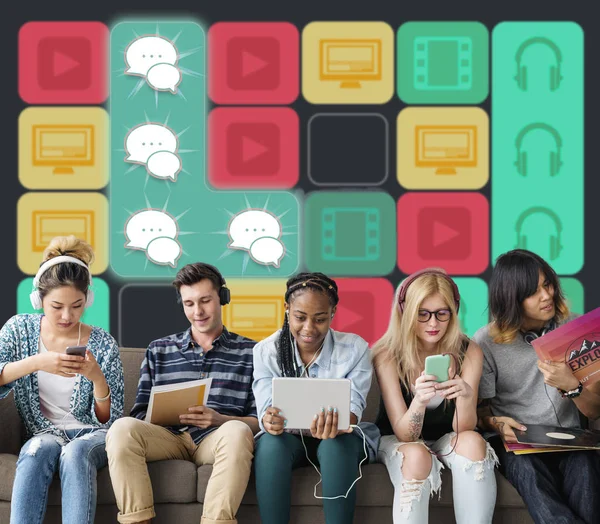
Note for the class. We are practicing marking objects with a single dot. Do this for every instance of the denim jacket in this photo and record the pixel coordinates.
(344, 355)
(19, 339)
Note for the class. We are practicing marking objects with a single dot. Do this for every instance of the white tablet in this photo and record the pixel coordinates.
(300, 399)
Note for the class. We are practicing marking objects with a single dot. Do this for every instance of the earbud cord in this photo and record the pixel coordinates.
(302, 435)
(61, 423)
(455, 410)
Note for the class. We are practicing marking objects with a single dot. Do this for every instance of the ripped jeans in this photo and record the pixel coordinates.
(473, 483)
(77, 457)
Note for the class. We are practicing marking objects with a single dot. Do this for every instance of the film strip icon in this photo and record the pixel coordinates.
(340, 243)
(432, 52)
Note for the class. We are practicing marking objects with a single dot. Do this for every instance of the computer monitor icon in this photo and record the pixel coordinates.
(350, 61)
(63, 147)
(445, 148)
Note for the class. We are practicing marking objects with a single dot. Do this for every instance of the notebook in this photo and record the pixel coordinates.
(171, 400)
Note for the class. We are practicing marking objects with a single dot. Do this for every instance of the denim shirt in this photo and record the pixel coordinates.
(19, 339)
(344, 355)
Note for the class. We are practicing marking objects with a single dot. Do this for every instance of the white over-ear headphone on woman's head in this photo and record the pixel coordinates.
(36, 299)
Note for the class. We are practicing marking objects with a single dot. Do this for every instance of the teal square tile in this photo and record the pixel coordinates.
(350, 233)
(442, 62)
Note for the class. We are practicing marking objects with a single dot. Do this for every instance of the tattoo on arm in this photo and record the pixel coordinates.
(415, 425)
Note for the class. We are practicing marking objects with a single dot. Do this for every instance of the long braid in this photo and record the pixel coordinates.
(316, 282)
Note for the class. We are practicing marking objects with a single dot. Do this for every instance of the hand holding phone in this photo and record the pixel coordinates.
(76, 350)
(439, 366)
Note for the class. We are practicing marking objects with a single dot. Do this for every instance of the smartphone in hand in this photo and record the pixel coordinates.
(76, 350)
(438, 365)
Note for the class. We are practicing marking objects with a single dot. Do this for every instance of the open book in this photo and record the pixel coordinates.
(171, 400)
(577, 344)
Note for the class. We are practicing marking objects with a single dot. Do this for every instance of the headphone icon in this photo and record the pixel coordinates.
(555, 76)
(555, 160)
(555, 244)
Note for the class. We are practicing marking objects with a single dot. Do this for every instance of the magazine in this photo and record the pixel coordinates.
(577, 343)
(171, 400)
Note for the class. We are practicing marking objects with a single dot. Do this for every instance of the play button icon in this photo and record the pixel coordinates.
(253, 148)
(444, 232)
(63, 63)
(253, 63)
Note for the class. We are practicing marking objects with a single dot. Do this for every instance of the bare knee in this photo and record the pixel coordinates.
(470, 445)
(417, 461)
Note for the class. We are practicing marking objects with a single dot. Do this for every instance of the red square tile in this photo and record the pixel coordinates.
(251, 147)
(253, 63)
(364, 307)
(450, 230)
(63, 62)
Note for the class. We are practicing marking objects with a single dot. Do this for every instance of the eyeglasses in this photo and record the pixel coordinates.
(443, 315)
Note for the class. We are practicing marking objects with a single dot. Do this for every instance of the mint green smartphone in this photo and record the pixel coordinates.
(438, 365)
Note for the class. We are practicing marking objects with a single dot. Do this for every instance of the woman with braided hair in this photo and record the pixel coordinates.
(306, 346)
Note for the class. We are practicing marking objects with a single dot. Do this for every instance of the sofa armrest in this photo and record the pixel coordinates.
(11, 437)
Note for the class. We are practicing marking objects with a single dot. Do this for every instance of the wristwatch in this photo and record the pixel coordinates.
(573, 393)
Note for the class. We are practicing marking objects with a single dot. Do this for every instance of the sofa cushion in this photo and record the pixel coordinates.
(374, 489)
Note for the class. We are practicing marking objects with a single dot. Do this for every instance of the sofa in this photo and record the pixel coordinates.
(179, 486)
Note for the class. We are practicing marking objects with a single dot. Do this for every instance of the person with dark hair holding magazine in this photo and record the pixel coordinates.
(306, 346)
(219, 433)
(526, 301)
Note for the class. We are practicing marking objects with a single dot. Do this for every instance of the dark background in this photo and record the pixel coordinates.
(149, 312)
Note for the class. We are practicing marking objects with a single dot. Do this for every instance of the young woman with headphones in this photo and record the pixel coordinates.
(66, 401)
(306, 346)
(427, 424)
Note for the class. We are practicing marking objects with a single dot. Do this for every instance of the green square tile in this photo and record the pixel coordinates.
(350, 233)
(98, 314)
(442, 62)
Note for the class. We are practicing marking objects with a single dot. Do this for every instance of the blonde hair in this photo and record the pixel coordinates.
(66, 273)
(400, 343)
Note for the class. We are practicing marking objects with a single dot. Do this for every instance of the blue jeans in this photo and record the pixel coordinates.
(77, 457)
(561, 488)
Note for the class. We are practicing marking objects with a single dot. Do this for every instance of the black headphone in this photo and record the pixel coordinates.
(224, 293)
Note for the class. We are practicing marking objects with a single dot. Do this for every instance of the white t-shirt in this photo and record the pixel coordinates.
(55, 397)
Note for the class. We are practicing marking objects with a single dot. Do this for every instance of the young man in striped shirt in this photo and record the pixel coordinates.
(220, 433)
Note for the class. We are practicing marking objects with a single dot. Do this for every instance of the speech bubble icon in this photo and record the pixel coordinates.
(147, 139)
(164, 164)
(144, 226)
(163, 251)
(250, 225)
(164, 77)
(267, 250)
(144, 52)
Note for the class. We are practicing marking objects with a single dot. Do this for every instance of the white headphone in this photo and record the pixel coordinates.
(36, 299)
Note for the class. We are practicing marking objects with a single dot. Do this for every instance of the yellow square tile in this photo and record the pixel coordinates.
(348, 62)
(256, 309)
(42, 216)
(442, 148)
(63, 148)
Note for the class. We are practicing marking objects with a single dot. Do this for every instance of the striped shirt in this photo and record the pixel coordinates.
(177, 358)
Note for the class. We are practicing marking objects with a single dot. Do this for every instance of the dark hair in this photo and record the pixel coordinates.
(515, 277)
(192, 273)
(316, 282)
(66, 273)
